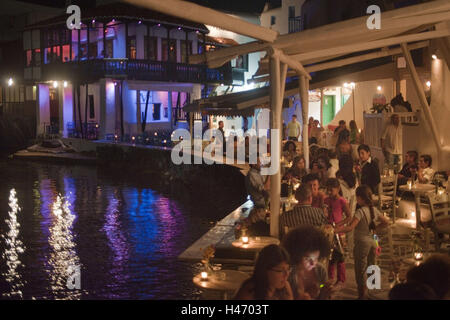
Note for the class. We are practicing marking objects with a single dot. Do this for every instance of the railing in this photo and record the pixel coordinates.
(295, 24)
(138, 70)
(178, 115)
(90, 131)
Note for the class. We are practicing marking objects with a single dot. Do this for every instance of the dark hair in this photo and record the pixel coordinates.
(427, 159)
(341, 122)
(269, 257)
(303, 239)
(434, 272)
(294, 116)
(333, 183)
(310, 177)
(303, 193)
(346, 170)
(365, 193)
(353, 125)
(412, 291)
(326, 160)
(364, 147)
(287, 144)
(312, 140)
(344, 136)
(414, 154)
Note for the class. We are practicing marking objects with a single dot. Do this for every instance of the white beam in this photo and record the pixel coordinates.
(196, 13)
(295, 65)
(304, 96)
(422, 97)
(371, 45)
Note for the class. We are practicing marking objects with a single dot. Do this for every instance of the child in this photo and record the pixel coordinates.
(337, 205)
(364, 222)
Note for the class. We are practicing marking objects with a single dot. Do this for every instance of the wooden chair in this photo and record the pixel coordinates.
(387, 194)
(440, 212)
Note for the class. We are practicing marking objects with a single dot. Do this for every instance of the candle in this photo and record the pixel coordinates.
(204, 275)
(409, 184)
(418, 255)
(245, 240)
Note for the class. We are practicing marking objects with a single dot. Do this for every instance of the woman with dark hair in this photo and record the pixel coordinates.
(364, 222)
(269, 279)
(306, 245)
(289, 151)
(298, 170)
(354, 133)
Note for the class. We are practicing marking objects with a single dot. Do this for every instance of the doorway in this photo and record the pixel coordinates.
(329, 105)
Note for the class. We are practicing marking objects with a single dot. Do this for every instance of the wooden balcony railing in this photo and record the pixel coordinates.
(137, 70)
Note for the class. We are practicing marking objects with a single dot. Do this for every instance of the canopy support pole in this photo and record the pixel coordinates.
(304, 96)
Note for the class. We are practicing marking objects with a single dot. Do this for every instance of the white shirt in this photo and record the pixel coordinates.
(393, 139)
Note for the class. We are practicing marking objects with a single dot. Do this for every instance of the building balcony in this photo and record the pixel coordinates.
(295, 24)
(90, 70)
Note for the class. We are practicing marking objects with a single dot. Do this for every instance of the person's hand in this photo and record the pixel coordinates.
(327, 291)
(357, 168)
(304, 296)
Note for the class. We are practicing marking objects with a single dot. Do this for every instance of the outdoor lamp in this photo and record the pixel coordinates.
(55, 84)
(428, 83)
(10, 82)
(65, 84)
(434, 57)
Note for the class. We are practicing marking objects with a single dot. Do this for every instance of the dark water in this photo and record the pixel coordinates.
(123, 235)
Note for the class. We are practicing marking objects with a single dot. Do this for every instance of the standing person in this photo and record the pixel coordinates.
(368, 169)
(269, 279)
(392, 141)
(366, 218)
(224, 143)
(293, 129)
(298, 170)
(342, 126)
(257, 189)
(411, 158)
(337, 206)
(306, 245)
(425, 173)
(310, 125)
(316, 131)
(354, 133)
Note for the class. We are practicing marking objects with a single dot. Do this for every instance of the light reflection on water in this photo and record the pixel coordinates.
(14, 248)
(124, 236)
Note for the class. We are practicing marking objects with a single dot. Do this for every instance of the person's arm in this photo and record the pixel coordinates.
(244, 293)
(348, 228)
(348, 215)
(289, 293)
(299, 130)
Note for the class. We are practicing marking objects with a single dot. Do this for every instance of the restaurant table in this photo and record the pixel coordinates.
(224, 281)
(255, 243)
(418, 189)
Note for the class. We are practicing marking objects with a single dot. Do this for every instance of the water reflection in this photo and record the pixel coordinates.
(13, 249)
(63, 258)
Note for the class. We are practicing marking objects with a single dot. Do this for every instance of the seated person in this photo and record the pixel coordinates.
(306, 245)
(425, 173)
(297, 171)
(269, 279)
(303, 212)
(290, 151)
(405, 173)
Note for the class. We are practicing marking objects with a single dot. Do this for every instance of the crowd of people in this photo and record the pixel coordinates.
(336, 191)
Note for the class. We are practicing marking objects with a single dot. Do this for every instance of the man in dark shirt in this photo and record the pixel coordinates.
(411, 158)
(370, 173)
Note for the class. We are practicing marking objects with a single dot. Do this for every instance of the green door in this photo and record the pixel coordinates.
(329, 103)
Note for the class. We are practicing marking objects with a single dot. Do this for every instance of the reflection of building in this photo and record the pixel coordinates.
(124, 67)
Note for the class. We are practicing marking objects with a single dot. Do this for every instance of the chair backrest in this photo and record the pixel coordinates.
(388, 185)
(440, 211)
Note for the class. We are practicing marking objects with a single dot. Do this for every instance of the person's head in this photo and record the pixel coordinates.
(364, 152)
(299, 163)
(290, 146)
(342, 124)
(412, 291)
(220, 124)
(310, 120)
(411, 157)
(314, 166)
(346, 170)
(413, 168)
(272, 269)
(313, 181)
(316, 123)
(344, 137)
(364, 196)
(324, 162)
(333, 188)
(304, 194)
(425, 161)
(294, 118)
(312, 140)
(353, 125)
(434, 272)
(395, 120)
(306, 244)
